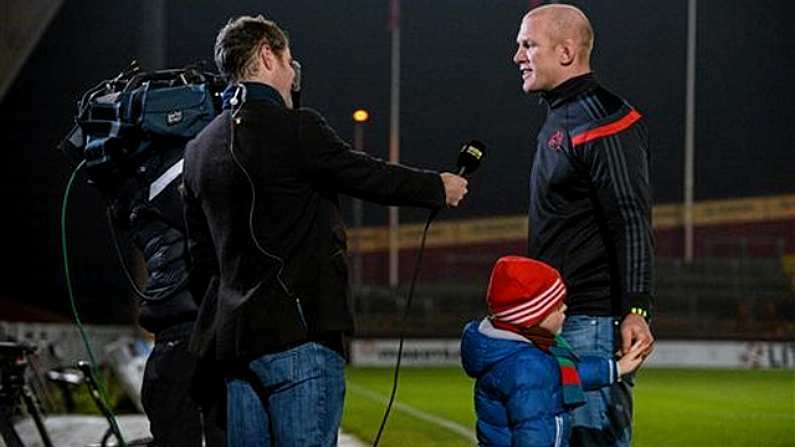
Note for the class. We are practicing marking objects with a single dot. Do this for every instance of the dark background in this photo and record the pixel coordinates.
(458, 83)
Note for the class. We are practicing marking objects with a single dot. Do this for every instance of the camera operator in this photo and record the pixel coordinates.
(167, 309)
(130, 134)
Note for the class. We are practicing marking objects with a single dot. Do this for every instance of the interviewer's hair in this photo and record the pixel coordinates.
(238, 42)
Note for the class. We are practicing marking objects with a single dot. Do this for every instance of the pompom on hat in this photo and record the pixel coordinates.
(523, 291)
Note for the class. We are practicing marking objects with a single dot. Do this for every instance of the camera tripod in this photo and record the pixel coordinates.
(14, 389)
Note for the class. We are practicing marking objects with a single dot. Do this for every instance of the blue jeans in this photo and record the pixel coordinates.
(606, 417)
(291, 398)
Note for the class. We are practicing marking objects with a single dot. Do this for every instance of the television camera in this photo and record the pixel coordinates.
(135, 123)
(130, 132)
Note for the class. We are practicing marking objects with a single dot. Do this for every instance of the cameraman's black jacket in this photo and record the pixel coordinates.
(156, 227)
(163, 247)
(297, 166)
(590, 199)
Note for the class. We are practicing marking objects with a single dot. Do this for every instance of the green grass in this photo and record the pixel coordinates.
(715, 408)
(120, 403)
(673, 407)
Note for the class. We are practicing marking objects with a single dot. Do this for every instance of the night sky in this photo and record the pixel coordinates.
(458, 83)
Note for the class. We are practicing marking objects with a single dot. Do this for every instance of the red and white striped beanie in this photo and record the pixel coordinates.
(522, 291)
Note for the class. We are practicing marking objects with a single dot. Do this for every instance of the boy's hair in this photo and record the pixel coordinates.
(523, 291)
(240, 39)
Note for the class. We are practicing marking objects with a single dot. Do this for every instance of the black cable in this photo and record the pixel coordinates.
(416, 274)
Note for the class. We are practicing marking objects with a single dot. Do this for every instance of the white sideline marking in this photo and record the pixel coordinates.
(348, 440)
(427, 417)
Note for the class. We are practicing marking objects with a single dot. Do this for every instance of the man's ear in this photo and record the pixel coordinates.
(266, 56)
(566, 52)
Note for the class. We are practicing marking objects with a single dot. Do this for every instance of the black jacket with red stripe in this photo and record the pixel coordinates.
(590, 199)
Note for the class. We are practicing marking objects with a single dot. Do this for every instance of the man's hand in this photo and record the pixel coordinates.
(455, 188)
(634, 329)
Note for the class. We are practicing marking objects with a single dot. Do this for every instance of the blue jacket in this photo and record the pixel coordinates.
(518, 397)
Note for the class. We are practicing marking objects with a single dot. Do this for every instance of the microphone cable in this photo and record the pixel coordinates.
(410, 297)
(469, 158)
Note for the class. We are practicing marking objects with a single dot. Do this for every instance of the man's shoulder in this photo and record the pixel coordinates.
(599, 103)
(218, 126)
(308, 112)
(309, 116)
(215, 130)
(600, 113)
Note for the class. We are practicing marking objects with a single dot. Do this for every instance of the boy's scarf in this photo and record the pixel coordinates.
(558, 347)
(573, 395)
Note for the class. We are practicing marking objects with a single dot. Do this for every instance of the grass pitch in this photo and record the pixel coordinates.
(673, 407)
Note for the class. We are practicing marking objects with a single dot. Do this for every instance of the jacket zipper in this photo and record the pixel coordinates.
(558, 428)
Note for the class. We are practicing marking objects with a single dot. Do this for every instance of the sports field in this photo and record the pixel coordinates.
(673, 407)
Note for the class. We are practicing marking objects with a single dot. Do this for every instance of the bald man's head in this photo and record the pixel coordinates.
(553, 45)
(563, 22)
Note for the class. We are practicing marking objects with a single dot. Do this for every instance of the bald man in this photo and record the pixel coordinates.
(590, 207)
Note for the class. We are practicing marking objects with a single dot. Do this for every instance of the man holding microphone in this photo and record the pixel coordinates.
(268, 243)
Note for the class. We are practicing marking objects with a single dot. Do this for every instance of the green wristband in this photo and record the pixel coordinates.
(640, 311)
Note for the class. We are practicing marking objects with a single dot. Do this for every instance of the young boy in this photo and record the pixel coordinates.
(528, 379)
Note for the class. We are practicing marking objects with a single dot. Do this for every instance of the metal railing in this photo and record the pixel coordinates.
(728, 299)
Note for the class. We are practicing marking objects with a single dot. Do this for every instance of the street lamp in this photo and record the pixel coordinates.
(360, 117)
